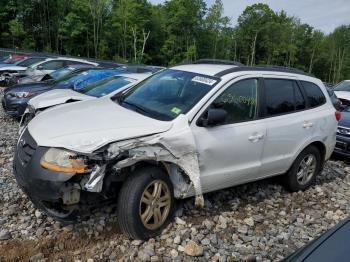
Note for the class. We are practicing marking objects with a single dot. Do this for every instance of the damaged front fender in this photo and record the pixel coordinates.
(176, 146)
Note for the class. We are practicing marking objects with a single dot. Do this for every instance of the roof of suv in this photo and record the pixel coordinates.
(220, 68)
(206, 69)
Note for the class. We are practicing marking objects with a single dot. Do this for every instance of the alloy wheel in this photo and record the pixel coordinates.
(155, 204)
(306, 169)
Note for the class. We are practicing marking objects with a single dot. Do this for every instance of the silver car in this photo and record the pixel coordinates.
(183, 132)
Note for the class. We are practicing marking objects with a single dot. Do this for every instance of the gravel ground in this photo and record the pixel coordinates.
(255, 222)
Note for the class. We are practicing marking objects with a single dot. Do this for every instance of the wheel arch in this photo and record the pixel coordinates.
(183, 187)
(316, 143)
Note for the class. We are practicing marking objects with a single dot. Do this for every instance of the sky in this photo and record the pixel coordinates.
(324, 15)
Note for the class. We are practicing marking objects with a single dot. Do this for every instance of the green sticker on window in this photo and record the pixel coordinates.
(176, 110)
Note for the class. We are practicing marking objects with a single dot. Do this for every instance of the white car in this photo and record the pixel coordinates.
(185, 131)
(52, 64)
(106, 87)
(342, 91)
(19, 67)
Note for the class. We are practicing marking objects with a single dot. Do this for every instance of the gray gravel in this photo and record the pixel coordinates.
(255, 222)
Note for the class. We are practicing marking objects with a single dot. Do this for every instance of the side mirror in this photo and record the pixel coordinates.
(213, 117)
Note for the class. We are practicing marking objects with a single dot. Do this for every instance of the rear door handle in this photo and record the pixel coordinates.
(255, 137)
(308, 125)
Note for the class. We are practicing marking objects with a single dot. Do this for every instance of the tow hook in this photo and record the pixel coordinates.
(70, 194)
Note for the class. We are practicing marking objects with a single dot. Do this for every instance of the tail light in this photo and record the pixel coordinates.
(337, 115)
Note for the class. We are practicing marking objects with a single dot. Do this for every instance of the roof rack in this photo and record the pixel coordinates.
(272, 68)
(217, 61)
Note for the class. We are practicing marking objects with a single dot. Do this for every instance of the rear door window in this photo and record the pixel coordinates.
(314, 94)
(283, 96)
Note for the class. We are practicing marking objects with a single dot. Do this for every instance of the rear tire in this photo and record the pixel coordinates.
(304, 170)
(145, 203)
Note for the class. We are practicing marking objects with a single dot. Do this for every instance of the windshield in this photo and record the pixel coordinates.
(61, 72)
(343, 86)
(106, 86)
(82, 80)
(167, 94)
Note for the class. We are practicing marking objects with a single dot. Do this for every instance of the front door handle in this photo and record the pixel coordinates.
(255, 137)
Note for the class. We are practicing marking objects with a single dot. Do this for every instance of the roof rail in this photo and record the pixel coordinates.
(217, 61)
(272, 68)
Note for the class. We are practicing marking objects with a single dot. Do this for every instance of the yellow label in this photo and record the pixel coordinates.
(176, 110)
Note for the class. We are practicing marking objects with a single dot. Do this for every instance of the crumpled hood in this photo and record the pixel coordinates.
(56, 97)
(88, 125)
(343, 94)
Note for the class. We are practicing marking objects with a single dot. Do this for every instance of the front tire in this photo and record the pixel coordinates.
(304, 170)
(145, 203)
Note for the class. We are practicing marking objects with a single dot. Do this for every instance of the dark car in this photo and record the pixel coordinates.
(16, 98)
(342, 146)
(333, 246)
(335, 100)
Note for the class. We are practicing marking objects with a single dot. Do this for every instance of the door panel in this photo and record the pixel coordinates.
(284, 136)
(227, 154)
(230, 153)
(287, 123)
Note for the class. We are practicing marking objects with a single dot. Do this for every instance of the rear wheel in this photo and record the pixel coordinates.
(304, 169)
(146, 203)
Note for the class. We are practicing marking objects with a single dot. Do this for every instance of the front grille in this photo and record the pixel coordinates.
(343, 131)
(26, 147)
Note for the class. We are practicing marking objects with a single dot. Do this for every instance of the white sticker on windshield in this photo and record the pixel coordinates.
(204, 80)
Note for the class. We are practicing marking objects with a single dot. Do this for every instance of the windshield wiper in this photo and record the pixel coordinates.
(145, 111)
(138, 108)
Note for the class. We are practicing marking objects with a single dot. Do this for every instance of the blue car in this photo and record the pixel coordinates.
(16, 97)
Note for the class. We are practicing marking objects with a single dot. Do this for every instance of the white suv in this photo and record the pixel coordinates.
(184, 131)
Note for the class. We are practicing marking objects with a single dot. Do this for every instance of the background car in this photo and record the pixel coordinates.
(335, 100)
(332, 246)
(52, 64)
(342, 146)
(55, 75)
(8, 72)
(342, 91)
(16, 97)
(15, 57)
(106, 87)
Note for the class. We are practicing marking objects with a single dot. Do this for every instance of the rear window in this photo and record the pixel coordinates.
(314, 94)
(343, 86)
(282, 97)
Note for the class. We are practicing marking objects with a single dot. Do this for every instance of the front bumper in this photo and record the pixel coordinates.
(37, 182)
(342, 146)
(14, 106)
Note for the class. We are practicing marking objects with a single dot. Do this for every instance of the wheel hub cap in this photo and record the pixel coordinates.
(306, 169)
(155, 204)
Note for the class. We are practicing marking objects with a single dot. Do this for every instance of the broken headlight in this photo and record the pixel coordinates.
(62, 160)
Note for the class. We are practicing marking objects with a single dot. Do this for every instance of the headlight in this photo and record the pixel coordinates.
(63, 161)
(23, 94)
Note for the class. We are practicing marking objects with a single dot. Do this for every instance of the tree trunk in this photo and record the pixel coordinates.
(145, 38)
(252, 60)
(312, 60)
(134, 43)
